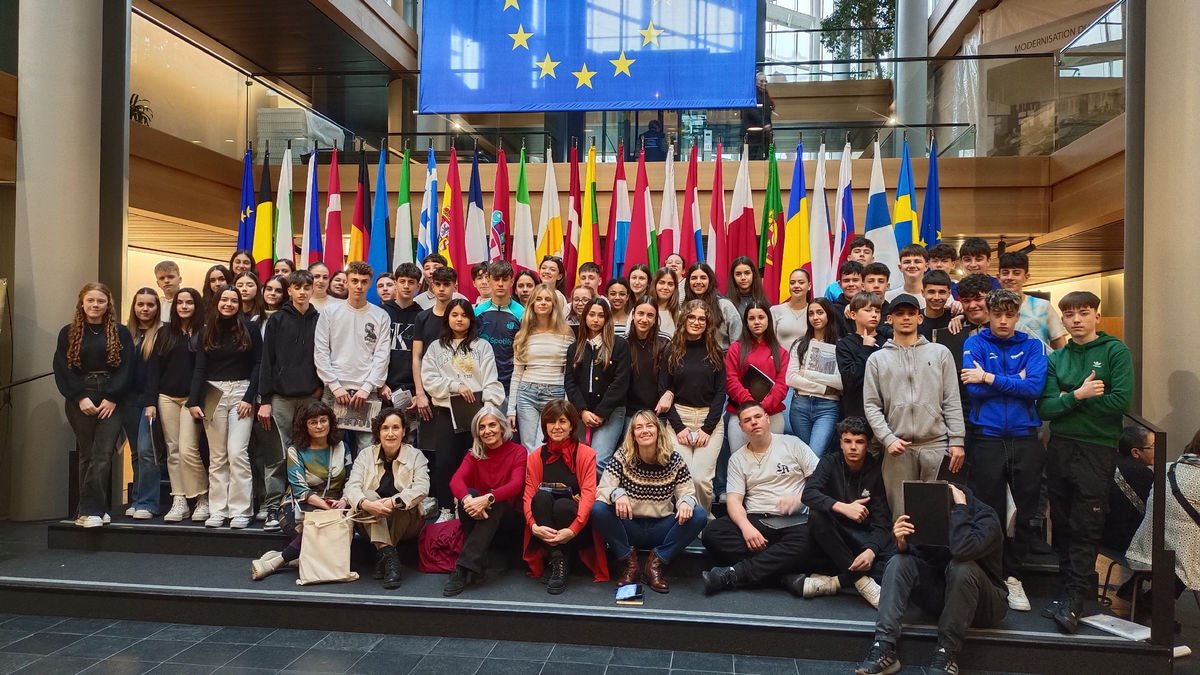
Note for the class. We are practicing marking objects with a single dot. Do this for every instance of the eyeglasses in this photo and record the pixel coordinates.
(697, 319)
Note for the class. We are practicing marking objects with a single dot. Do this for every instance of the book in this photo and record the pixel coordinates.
(357, 419)
(821, 357)
(630, 595)
(757, 383)
(928, 507)
(462, 411)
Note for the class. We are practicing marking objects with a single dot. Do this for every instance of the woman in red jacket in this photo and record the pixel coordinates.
(759, 350)
(560, 489)
(487, 489)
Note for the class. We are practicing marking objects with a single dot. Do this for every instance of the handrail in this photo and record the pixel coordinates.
(25, 380)
(1162, 559)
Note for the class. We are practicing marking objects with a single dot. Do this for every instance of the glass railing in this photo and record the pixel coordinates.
(1091, 77)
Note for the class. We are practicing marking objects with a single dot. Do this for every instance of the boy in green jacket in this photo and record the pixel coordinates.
(1089, 388)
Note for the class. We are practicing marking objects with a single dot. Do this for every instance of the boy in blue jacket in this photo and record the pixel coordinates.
(1004, 371)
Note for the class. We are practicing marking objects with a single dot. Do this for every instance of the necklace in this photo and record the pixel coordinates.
(99, 328)
(759, 457)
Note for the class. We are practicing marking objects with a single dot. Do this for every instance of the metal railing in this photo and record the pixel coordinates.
(1162, 599)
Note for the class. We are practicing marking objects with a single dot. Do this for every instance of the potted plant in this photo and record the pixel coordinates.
(140, 110)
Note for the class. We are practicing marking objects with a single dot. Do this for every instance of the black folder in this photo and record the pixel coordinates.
(928, 507)
(462, 412)
(758, 383)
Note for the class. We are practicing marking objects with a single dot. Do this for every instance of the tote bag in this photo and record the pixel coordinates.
(325, 547)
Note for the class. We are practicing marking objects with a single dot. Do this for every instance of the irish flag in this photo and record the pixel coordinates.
(524, 256)
(402, 248)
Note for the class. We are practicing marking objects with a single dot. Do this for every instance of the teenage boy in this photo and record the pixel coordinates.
(166, 274)
(762, 531)
(855, 348)
(287, 378)
(320, 290)
(849, 283)
(479, 278)
(403, 310)
(1004, 371)
(959, 584)
(862, 251)
(499, 319)
(1038, 317)
(935, 290)
(1089, 388)
(353, 343)
(385, 287)
(975, 255)
(848, 518)
(443, 287)
(431, 263)
(913, 262)
(911, 399)
(875, 281)
(589, 275)
(943, 257)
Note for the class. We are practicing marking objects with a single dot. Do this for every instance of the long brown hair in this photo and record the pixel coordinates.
(215, 324)
(134, 326)
(607, 337)
(652, 342)
(112, 343)
(680, 340)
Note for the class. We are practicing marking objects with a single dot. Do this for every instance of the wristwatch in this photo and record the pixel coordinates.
(491, 499)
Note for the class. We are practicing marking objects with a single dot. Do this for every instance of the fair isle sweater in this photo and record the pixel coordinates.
(654, 490)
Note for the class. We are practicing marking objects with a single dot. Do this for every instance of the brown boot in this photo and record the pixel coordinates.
(654, 574)
(632, 571)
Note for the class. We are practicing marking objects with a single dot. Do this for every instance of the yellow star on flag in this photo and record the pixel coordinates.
(511, 3)
(650, 34)
(520, 38)
(547, 67)
(622, 65)
(583, 77)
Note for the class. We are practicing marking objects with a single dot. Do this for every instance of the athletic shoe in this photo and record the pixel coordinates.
(445, 515)
(239, 522)
(816, 585)
(213, 521)
(1049, 610)
(107, 519)
(869, 590)
(201, 513)
(1016, 595)
(457, 582)
(272, 522)
(142, 514)
(179, 510)
(718, 579)
(881, 660)
(1067, 616)
(268, 564)
(129, 512)
(89, 521)
(261, 515)
(943, 663)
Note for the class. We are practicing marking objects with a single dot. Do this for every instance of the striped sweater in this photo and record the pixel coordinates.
(654, 490)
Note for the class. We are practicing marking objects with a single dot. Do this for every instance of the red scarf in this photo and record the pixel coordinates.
(564, 450)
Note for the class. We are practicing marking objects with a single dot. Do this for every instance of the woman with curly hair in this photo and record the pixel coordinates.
(92, 366)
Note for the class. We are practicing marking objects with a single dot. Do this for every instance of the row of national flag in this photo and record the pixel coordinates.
(805, 235)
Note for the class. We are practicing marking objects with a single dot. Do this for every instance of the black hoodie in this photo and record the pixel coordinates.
(976, 535)
(287, 360)
(852, 357)
(833, 482)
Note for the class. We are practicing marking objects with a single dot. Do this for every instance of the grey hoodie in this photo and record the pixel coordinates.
(912, 393)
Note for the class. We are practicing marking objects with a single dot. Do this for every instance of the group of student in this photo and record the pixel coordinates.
(638, 404)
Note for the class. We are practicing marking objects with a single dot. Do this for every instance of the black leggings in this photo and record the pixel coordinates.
(551, 511)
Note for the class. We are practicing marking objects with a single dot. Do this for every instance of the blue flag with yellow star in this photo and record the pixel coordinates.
(245, 239)
(538, 55)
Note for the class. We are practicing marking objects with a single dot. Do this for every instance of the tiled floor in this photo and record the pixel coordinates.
(34, 644)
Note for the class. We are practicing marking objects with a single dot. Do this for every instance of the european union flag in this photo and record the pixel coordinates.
(543, 55)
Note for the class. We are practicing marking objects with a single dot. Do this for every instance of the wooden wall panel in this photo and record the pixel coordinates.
(8, 127)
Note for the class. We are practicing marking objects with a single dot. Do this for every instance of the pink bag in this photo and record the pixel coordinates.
(439, 546)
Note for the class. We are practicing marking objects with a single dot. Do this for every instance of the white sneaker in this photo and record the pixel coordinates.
(239, 522)
(213, 521)
(445, 515)
(267, 565)
(107, 519)
(869, 590)
(89, 521)
(143, 514)
(816, 585)
(429, 506)
(201, 512)
(261, 515)
(179, 510)
(129, 512)
(1016, 595)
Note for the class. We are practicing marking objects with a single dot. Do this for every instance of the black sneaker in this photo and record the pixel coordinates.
(557, 583)
(718, 579)
(881, 660)
(943, 663)
(378, 571)
(794, 583)
(458, 581)
(391, 567)
(1067, 616)
(271, 524)
(1049, 610)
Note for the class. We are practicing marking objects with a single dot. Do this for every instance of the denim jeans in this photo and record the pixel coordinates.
(605, 438)
(146, 481)
(814, 421)
(664, 535)
(531, 397)
(230, 479)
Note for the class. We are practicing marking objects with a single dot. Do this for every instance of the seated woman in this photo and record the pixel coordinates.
(647, 500)
(487, 490)
(388, 481)
(316, 469)
(560, 488)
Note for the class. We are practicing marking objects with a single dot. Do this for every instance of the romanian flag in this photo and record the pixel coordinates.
(643, 247)
(284, 246)
(770, 250)
(360, 232)
(796, 252)
(524, 253)
(264, 224)
(692, 246)
(717, 255)
(904, 216)
(334, 259)
(574, 215)
(498, 233)
(310, 246)
(931, 212)
(245, 239)
(668, 215)
(618, 220)
(589, 231)
(550, 229)
(377, 249)
(402, 248)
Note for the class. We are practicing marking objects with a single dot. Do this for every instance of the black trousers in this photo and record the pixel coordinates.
(961, 596)
(95, 440)
(501, 527)
(1077, 478)
(785, 551)
(835, 546)
(1016, 463)
(449, 449)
